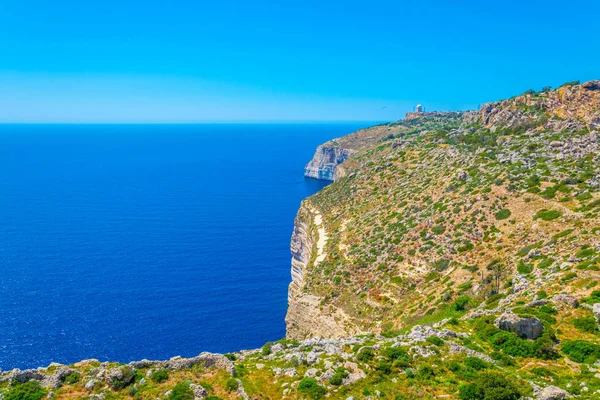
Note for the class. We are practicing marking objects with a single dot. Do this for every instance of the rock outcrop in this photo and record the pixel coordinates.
(530, 327)
(552, 393)
(305, 316)
(325, 162)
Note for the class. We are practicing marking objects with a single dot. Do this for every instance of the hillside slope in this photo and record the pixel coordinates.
(418, 215)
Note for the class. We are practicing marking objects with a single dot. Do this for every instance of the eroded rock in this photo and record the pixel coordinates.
(530, 327)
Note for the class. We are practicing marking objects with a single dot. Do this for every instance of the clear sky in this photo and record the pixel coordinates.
(197, 60)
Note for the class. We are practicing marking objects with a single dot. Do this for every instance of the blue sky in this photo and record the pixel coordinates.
(195, 61)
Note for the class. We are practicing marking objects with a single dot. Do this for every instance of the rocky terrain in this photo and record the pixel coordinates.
(455, 256)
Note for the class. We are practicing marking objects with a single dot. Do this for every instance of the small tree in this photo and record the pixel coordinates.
(498, 270)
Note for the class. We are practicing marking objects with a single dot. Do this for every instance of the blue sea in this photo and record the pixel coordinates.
(124, 242)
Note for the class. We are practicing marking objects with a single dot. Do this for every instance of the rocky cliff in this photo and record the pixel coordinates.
(426, 204)
(305, 317)
(325, 161)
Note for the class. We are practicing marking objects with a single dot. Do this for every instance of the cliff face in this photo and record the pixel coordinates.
(305, 317)
(325, 161)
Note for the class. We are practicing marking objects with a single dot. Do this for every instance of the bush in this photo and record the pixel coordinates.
(72, 378)
(461, 303)
(311, 388)
(338, 378)
(547, 215)
(435, 340)
(503, 359)
(586, 324)
(181, 391)
(398, 356)
(438, 229)
(581, 351)
(492, 386)
(476, 363)
(366, 354)
(523, 268)
(425, 372)
(159, 376)
(594, 297)
(266, 349)
(503, 214)
(25, 391)
(232, 384)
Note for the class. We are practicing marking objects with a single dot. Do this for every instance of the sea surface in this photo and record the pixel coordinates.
(124, 242)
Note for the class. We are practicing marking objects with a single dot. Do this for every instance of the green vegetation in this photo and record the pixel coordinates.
(25, 391)
(311, 388)
(232, 384)
(490, 386)
(503, 214)
(547, 215)
(586, 324)
(159, 376)
(182, 391)
(581, 351)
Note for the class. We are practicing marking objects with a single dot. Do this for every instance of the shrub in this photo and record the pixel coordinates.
(503, 214)
(425, 372)
(232, 384)
(547, 215)
(384, 367)
(503, 359)
(594, 297)
(586, 324)
(581, 351)
(72, 378)
(366, 354)
(461, 303)
(181, 391)
(466, 246)
(396, 353)
(523, 268)
(159, 376)
(492, 386)
(435, 340)
(438, 229)
(311, 388)
(266, 349)
(337, 379)
(25, 391)
(476, 363)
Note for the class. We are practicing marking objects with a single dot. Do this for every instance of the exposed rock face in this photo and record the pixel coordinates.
(571, 301)
(596, 310)
(178, 363)
(305, 317)
(325, 161)
(530, 328)
(552, 393)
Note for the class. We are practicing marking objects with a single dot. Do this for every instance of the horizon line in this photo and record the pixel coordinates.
(265, 122)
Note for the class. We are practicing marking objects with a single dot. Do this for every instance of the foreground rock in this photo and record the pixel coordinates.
(552, 393)
(530, 327)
